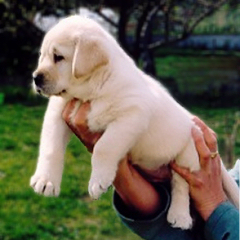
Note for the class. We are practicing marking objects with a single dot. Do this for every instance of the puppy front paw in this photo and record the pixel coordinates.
(99, 184)
(43, 185)
(178, 218)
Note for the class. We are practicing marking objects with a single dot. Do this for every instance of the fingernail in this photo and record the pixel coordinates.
(194, 118)
(196, 130)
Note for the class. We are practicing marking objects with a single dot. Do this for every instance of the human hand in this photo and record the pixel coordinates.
(205, 185)
(79, 124)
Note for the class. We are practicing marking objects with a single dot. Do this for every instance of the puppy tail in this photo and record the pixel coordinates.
(230, 187)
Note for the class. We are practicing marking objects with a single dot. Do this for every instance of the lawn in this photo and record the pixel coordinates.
(25, 215)
(73, 215)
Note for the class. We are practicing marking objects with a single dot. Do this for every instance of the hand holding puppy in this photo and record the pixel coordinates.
(205, 185)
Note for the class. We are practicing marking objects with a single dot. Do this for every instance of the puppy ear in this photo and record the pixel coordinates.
(88, 55)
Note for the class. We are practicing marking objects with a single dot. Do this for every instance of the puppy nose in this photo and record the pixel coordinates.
(39, 79)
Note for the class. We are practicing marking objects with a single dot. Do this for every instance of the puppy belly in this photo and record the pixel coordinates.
(151, 152)
(160, 144)
(151, 159)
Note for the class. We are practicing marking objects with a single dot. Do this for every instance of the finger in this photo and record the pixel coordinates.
(87, 138)
(209, 135)
(216, 166)
(80, 119)
(68, 110)
(96, 137)
(125, 162)
(66, 114)
(183, 172)
(201, 147)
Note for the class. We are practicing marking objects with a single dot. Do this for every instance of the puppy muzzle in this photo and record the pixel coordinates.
(43, 87)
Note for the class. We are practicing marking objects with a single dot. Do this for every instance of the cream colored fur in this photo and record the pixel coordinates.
(135, 112)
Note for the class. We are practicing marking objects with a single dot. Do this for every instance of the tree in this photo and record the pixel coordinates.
(171, 20)
(20, 38)
(155, 24)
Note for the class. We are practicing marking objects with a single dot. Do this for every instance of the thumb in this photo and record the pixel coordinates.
(182, 171)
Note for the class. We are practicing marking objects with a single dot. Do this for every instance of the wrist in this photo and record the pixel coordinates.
(209, 206)
(139, 195)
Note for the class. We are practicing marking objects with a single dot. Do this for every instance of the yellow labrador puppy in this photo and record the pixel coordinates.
(79, 59)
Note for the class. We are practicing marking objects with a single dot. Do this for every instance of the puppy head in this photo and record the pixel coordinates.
(71, 51)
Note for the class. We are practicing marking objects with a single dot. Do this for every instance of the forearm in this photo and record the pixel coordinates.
(207, 207)
(138, 195)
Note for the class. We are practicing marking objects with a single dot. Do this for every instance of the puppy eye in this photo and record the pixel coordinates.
(57, 58)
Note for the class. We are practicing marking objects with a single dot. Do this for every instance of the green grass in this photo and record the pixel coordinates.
(25, 215)
(196, 73)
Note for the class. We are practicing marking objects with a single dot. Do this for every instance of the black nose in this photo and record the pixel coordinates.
(39, 80)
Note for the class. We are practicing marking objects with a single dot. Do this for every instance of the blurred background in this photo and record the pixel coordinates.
(191, 46)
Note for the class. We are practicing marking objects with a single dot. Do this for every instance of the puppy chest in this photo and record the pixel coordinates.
(155, 148)
(151, 156)
(99, 119)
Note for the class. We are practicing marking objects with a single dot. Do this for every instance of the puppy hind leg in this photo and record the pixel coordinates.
(179, 211)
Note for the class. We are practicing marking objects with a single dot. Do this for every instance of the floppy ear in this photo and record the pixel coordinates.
(88, 55)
